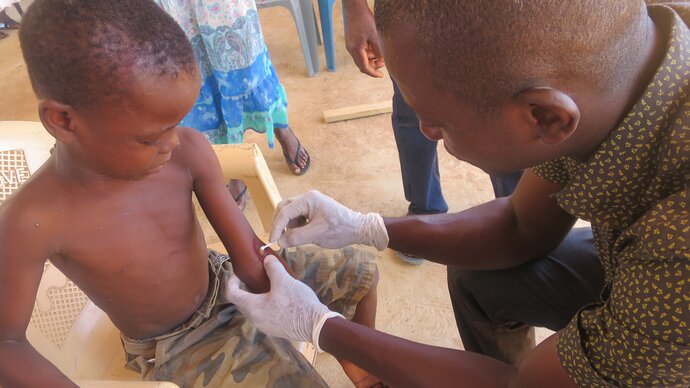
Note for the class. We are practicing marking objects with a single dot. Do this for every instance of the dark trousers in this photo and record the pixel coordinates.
(418, 160)
(496, 310)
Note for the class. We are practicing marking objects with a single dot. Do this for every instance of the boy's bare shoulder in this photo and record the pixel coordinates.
(30, 216)
(192, 141)
(194, 149)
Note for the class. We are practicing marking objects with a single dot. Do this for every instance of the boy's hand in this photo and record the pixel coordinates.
(330, 224)
(289, 310)
(361, 38)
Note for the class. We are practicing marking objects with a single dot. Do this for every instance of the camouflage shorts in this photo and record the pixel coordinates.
(217, 346)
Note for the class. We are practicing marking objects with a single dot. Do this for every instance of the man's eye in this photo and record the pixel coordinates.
(150, 142)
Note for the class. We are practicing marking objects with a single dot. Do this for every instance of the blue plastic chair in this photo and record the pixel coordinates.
(326, 16)
(303, 13)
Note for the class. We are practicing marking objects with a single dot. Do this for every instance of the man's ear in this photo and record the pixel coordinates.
(552, 114)
(57, 119)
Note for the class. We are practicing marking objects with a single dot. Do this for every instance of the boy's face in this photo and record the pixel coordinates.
(498, 142)
(135, 139)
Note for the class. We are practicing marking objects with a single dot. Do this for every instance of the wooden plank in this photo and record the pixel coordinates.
(357, 111)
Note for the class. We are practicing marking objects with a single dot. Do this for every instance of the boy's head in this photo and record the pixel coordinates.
(115, 77)
(87, 53)
(470, 68)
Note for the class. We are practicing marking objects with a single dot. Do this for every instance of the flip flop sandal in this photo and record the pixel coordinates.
(241, 196)
(293, 161)
(9, 26)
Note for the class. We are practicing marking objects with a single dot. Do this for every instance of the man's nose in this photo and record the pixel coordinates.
(432, 133)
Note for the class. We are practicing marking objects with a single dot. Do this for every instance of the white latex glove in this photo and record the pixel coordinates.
(289, 310)
(330, 224)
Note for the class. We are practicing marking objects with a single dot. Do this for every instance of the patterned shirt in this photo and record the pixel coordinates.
(635, 190)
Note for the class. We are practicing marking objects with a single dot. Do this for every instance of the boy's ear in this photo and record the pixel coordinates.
(57, 119)
(552, 114)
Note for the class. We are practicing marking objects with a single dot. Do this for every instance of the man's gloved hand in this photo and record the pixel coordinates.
(289, 310)
(330, 224)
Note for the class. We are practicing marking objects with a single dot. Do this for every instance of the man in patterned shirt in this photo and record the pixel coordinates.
(595, 95)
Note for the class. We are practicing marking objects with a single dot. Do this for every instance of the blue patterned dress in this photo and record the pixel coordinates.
(240, 89)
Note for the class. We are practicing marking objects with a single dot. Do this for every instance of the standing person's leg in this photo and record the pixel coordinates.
(418, 160)
(504, 185)
(495, 310)
(345, 280)
(296, 156)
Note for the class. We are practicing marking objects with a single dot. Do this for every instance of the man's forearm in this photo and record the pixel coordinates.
(403, 363)
(22, 366)
(483, 237)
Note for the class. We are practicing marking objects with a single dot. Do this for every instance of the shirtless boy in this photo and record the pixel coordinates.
(112, 209)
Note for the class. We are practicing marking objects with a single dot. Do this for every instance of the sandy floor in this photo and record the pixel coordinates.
(353, 161)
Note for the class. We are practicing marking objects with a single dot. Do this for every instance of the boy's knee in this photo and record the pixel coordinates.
(375, 278)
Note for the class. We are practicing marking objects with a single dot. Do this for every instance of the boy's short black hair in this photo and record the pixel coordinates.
(505, 46)
(89, 52)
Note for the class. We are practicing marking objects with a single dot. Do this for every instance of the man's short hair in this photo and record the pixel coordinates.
(89, 52)
(505, 46)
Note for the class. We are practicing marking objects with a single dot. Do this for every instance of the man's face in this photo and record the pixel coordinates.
(136, 138)
(495, 142)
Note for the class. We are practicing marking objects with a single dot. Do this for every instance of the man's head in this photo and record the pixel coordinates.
(114, 79)
(477, 57)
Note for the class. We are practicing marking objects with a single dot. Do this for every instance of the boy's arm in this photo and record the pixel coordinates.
(22, 255)
(225, 216)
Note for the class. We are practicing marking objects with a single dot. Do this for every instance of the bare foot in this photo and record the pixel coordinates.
(359, 377)
(296, 157)
(238, 190)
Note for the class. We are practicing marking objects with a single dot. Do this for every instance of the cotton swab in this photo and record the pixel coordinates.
(263, 247)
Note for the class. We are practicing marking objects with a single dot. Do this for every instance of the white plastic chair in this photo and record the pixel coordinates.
(67, 328)
(303, 13)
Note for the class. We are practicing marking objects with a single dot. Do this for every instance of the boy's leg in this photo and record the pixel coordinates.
(495, 310)
(365, 314)
(225, 351)
(341, 278)
(346, 281)
(219, 347)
